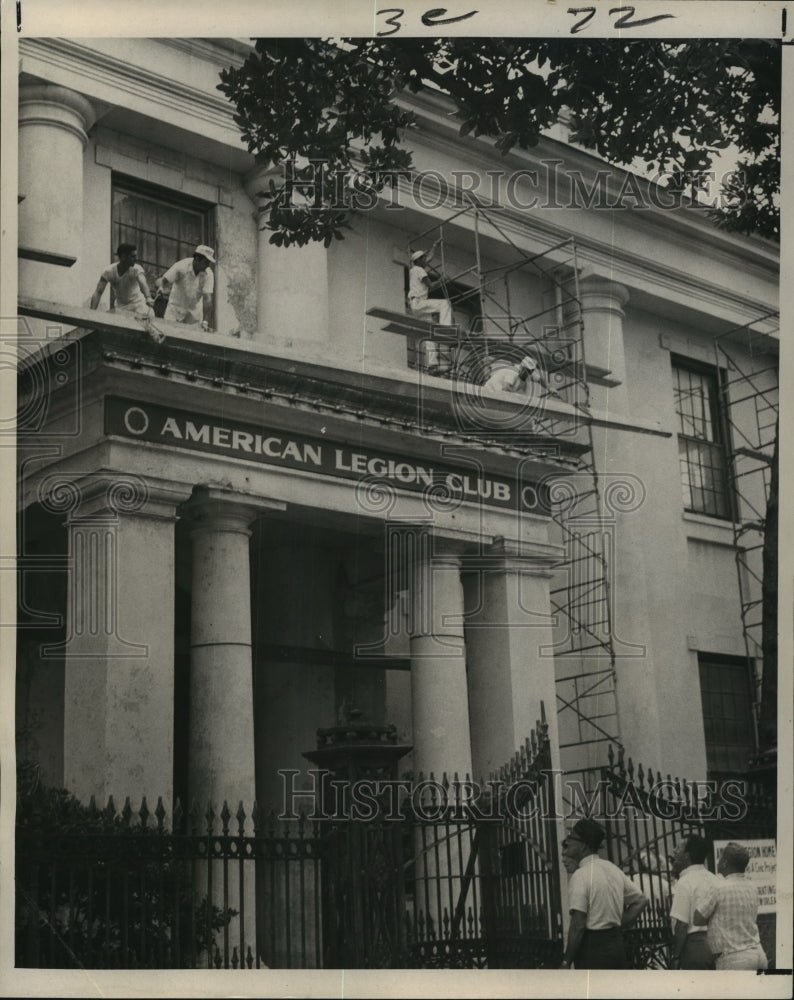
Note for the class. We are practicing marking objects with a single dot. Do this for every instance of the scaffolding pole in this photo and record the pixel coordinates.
(581, 596)
(749, 397)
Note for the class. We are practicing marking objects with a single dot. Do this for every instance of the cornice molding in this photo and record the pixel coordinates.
(437, 130)
(226, 51)
(155, 89)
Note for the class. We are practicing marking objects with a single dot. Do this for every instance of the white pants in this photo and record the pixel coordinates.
(426, 307)
(748, 958)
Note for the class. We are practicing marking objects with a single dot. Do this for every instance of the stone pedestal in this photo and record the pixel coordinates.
(363, 873)
(53, 126)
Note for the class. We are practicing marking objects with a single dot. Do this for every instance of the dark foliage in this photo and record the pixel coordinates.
(670, 104)
(97, 889)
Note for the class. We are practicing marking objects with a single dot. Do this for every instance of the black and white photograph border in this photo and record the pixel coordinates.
(393, 588)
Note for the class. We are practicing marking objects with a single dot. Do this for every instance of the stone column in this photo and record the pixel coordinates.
(621, 456)
(221, 743)
(53, 127)
(509, 657)
(440, 716)
(119, 649)
(439, 695)
(292, 282)
(221, 757)
(602, 303)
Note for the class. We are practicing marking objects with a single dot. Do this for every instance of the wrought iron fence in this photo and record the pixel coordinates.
(121, 893)
(444, 883)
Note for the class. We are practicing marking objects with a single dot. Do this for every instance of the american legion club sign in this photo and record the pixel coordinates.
(443, 483)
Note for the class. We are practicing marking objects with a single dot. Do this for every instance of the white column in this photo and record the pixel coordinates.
(53, 126)
(292, 282)
(602, 303)
(439, 695)
(623, 472)
(508, 641)
(440, 716)
(221, 744)
(119, 649)
(221, 757)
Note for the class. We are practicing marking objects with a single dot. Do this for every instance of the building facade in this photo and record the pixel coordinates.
(231, 538)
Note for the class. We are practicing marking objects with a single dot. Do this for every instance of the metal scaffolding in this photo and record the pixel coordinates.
(747, 368)
(493, 323)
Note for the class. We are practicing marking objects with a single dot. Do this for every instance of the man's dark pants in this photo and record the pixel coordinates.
(602, 950)
(696, 953)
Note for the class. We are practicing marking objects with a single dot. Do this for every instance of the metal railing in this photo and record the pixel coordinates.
(648, 814)
(443, 882)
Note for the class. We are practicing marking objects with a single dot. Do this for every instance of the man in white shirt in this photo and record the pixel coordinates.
(418, 288)
(520, 378)
(602, 901)
(696, 889)
(129, 291)
(191, 283)
(732, 933)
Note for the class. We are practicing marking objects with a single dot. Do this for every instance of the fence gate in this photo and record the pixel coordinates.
(452, 881)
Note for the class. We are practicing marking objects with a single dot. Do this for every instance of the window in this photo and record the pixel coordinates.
(726, 694)
(164, 226)
(701, 440)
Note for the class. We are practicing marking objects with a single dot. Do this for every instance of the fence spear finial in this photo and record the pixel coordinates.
(226, 815)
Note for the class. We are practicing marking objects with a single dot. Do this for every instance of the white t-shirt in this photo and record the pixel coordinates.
(126, 287)
(185, 303)
(696, 889)
(505, 379)
(417, 289)
(602, 891)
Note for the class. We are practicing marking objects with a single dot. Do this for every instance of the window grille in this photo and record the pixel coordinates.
(701, 442)
(164, 226)
(726, 696)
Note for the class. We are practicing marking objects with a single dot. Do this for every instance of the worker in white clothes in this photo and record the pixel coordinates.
(419, 283)
(520, 378)
(129, 291)
(191, 283)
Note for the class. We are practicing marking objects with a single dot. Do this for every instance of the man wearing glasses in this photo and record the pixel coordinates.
(602, 901)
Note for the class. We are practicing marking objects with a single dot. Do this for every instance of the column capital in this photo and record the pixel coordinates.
(530, 558)
(106, 495)
(257, 181)
(49, 104)
(602, 294)
(215, 508)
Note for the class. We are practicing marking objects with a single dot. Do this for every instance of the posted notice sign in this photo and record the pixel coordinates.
(762, 869)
